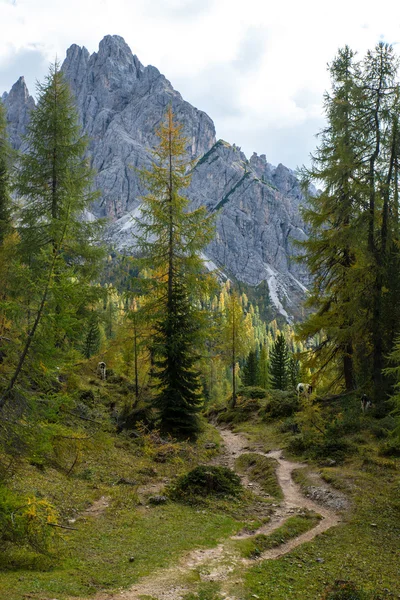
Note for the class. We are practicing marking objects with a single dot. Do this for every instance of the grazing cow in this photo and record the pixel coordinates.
(101, 370)
(365, 403)
(304, 389)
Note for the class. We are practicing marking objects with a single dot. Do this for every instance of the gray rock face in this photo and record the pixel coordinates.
(258, 220)
(18, 104)
(121, 103)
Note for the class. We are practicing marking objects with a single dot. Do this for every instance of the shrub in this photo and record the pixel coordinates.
(26, 521)
(298, 444)
(289, 425)
(206, 481)
(252, 392)
(330, 447)
(382, 428)
(343, 590)
(242, 411)
(281, 404)
(130, 418)
(391, 448)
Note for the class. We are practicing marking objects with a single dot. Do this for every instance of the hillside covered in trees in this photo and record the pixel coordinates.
(110, 473)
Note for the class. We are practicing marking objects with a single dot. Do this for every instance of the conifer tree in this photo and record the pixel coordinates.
(263, 376)
(334, 216)
(250, 368)
(171, 239)
(5, 200)
(7, 241)
(294, 370)
(353, 251)
(237, 337)
(279, 364)
(57, 245)
(92, 340)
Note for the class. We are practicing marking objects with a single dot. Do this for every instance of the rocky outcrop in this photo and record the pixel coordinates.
(120, 104)
(18, 104)
(258, 221)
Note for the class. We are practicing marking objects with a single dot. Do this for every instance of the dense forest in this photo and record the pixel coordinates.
(181, 344)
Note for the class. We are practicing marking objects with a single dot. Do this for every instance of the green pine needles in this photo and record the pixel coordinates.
(279, 361)
(170, 241)
(55, 246)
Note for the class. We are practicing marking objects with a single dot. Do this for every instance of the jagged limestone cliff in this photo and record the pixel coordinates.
(121, 103)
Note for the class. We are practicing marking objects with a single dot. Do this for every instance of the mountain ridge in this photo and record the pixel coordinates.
(120, 104)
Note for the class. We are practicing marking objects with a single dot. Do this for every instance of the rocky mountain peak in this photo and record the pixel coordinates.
(18, 104)
(121, 103)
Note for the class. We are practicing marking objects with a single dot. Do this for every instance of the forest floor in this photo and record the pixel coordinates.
(224, 563)
(296, 529)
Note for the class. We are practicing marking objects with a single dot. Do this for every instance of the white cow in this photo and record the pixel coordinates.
(101, 370)
(304, 389)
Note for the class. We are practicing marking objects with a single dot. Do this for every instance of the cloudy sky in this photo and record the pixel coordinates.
(257, 67)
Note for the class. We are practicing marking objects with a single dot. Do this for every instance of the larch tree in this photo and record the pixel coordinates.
(5, 199)
(170, 240)
(7, 240)
(334, 215)
(57, 245)
(237, 337)
(353, 250)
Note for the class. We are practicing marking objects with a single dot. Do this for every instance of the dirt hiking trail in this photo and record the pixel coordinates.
(223, 563)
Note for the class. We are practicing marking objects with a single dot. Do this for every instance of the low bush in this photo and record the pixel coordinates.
(289, 425)
(330, 447)
(321, 448)
(130, 418)
(252, 392)
(298, 444)
(343, 590)
(206, 481)
(26, 522)
(391, 448)
(280, 404)
(382, 428)
(241, 412)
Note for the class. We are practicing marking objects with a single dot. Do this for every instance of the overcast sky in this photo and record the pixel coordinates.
(258, 68)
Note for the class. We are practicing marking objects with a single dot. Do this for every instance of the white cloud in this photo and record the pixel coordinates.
(258, 68)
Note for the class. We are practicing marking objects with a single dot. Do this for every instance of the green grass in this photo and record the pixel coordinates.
(96, 556)
(364, 549)
(291, 528)
(206, 591)
(262, 470)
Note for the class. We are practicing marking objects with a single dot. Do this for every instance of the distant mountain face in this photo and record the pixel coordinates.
(121, 103)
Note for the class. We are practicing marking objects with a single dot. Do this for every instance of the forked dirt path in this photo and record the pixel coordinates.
(223, 563)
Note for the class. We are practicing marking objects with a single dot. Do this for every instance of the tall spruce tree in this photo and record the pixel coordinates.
(57, 245)
(279, 364)
(171, 239)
